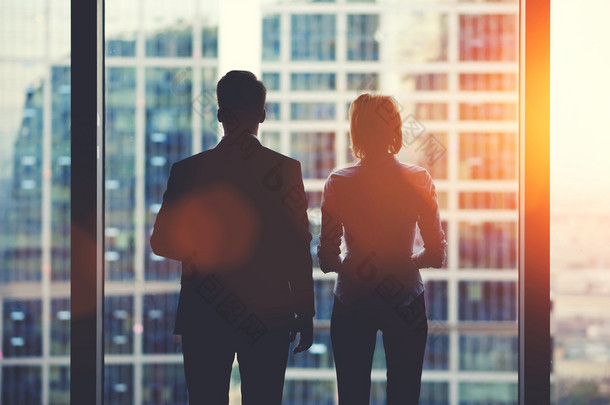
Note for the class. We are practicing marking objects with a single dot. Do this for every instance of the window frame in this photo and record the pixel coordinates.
(534, 203)
(87, 202)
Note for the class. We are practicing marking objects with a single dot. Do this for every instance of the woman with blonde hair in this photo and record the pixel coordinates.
(375, 205)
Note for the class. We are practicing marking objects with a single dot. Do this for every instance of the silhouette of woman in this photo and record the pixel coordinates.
(375, 205)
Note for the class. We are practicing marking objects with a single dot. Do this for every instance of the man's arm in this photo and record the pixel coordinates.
(301, 280)
(301, 266)
(163, 236)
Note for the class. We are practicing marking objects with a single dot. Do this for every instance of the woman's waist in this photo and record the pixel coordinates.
(385, 288)
(369, 271)
(383, 260)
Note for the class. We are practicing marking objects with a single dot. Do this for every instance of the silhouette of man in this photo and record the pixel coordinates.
(235, 216)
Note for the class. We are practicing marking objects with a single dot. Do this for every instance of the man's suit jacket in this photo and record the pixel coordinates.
(236, 217)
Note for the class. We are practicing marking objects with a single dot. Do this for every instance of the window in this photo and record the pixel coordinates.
(159, 317)
(168, 111)
(498, 251)
(363, 81)
(312, 111)
(271, 37)
(424, 81)
(60, 328)
(271, 81)
(118, 325)
(488, 200)
(163, 383)
(22, 332)
(488, 301)
(312, 81)
(457, 92)
(488, 156)
(362, 43)
(488, 111)
(485, 393)
(315, 151)
(488, 37)
(35, 204)
(488, 81)
(488, 352)
(118, 384)
(21, 384)
(313, 37)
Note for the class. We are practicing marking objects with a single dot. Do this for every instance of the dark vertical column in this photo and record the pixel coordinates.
(534, 192)
(87, 203)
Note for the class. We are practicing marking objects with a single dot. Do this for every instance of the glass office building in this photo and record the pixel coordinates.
(451, 65)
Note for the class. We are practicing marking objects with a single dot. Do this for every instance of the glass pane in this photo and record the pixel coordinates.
(35, 202)
(313, 37)
(466, 140)
(362, 39)
(161, 66)
(271, 37)
(580, 212)
(312, 81)
(488, 37)
(453, 71)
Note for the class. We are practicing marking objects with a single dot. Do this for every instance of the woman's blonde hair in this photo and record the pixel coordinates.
(375, 125)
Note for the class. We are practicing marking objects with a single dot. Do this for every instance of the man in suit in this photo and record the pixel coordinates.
(235, 216)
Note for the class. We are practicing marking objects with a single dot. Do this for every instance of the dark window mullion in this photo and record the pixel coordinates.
(87, 202)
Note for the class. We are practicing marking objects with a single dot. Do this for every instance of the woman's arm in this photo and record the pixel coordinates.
(434, 252)
(329, 249)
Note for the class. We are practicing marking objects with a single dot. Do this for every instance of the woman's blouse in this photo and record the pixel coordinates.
(375, 205)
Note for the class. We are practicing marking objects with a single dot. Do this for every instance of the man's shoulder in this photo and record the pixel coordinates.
(194, 158)
(277, 156)
(260, 158)
(266, 159)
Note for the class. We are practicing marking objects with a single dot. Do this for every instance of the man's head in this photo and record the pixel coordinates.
(241, 101)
